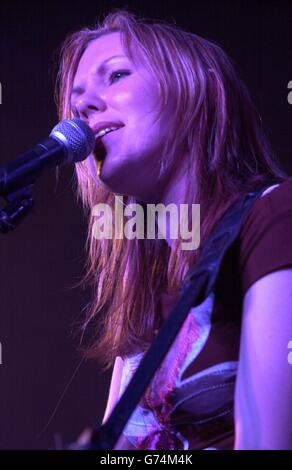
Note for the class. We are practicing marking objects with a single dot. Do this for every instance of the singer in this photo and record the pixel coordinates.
(174, 124)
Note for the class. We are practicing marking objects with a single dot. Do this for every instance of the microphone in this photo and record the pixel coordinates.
(70, 141)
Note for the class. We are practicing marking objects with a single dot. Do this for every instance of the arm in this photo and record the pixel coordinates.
(123, 443)
(114, 387)
(263, 396)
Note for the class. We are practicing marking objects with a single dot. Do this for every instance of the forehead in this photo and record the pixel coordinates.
(99, 50)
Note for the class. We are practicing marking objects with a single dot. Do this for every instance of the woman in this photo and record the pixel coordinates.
(181, 128)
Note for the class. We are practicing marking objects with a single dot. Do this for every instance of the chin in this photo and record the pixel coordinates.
(117, 179)
(128, 177)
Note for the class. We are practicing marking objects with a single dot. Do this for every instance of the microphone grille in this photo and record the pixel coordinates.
(77, 137)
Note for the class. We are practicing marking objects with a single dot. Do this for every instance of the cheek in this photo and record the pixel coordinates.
(148, 101)
(137, 98)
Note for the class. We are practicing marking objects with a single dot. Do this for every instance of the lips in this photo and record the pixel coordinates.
(98, 126)
(106, 134)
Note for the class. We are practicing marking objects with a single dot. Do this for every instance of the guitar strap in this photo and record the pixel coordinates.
(195, 289)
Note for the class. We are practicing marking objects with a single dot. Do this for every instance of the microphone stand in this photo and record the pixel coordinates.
(70, 141)
(19, 204)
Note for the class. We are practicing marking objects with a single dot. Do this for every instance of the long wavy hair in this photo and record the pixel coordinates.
(229, 155)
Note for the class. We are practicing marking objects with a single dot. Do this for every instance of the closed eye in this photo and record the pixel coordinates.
(115, 74)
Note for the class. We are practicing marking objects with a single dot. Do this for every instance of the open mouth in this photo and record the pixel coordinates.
(110, 131)
(99, 149)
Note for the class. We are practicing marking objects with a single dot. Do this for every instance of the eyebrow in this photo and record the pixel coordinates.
(100, 71)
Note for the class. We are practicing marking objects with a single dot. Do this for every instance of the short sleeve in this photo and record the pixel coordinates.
(265, 241)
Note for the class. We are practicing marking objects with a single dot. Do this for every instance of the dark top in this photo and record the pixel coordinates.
(190, 402)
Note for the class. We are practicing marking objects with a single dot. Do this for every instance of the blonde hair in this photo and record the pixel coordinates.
(215, 122)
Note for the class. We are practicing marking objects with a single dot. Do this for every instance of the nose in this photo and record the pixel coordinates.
(88, 104)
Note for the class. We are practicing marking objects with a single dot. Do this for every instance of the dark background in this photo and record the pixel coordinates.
(45, 256)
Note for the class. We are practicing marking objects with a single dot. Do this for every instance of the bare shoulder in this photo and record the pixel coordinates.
(114, 386)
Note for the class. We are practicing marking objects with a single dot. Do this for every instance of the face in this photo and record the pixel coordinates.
(119, 92)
